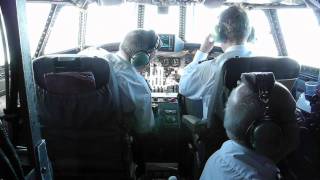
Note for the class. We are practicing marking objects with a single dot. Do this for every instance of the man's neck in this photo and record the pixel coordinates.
(228, 44)
(123, 55)
(245, 144)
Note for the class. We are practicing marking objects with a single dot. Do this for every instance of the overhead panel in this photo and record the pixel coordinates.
(287, 2)
(315, 4)
(79, 3)
(265, 4)
(166, 2)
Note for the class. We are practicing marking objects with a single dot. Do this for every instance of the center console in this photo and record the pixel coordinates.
(166, 110)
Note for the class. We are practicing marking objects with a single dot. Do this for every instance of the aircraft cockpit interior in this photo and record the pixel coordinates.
(62, 114)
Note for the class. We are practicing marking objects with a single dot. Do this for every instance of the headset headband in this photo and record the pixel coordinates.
(261, 83)
(156, 46)
(265, 83)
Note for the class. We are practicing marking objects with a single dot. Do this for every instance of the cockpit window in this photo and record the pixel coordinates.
(301, 33)
(64, 33)
(162, 23)
(200, 22)
(2, 50)
(108, 24)
(263, 44)
(37, 14)
(3, 57)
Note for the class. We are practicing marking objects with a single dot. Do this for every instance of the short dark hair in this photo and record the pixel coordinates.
(234, 24)
(139, 40)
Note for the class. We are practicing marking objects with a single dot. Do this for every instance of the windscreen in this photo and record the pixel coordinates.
(301, 33)
(109, 24)
(162, 23)
(37, 14)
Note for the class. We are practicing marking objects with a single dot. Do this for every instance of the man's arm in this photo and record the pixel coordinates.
(190, 81)
(137, 99)
(196, 75)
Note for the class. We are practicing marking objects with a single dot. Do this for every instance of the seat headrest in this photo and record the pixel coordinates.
(58, 64)
(282, 68)
(67, 83)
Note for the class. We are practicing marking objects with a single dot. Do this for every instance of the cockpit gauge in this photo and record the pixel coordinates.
(165, 62)
(175, 62)
(188, 58)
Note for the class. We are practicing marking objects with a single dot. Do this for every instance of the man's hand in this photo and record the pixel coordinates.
(207, 45)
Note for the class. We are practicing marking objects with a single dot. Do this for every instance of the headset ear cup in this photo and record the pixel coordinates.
(252, 35)
(216, 34)
(267, 138)
(140, 59)
(222, 33)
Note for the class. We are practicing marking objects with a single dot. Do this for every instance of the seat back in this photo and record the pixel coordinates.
(283, 68)
(190, 106)
(80, 117)
(229, 73)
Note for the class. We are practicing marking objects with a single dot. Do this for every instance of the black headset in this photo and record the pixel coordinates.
(265, 130)
(142, 58)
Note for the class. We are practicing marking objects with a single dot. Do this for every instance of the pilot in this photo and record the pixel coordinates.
(232, 32)
(261, 124)
(135, 52)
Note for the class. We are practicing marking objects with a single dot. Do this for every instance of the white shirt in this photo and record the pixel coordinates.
(134, 92)
(197, 80)
(234, 162)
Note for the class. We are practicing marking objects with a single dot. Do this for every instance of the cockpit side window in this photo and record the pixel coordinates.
(2, 53)
(37, 14)
(3, 57)
(301, 33)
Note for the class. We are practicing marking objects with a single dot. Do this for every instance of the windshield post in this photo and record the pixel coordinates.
(23, 87)
(276, 31)
(82, 29)
(141, 10)
(182, 22)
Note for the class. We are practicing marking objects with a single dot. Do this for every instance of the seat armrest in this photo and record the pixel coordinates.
(193, 123)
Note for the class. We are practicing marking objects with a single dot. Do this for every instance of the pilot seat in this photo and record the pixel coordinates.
(80, 118)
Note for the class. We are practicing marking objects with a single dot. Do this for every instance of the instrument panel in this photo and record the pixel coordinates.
(165, 70)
